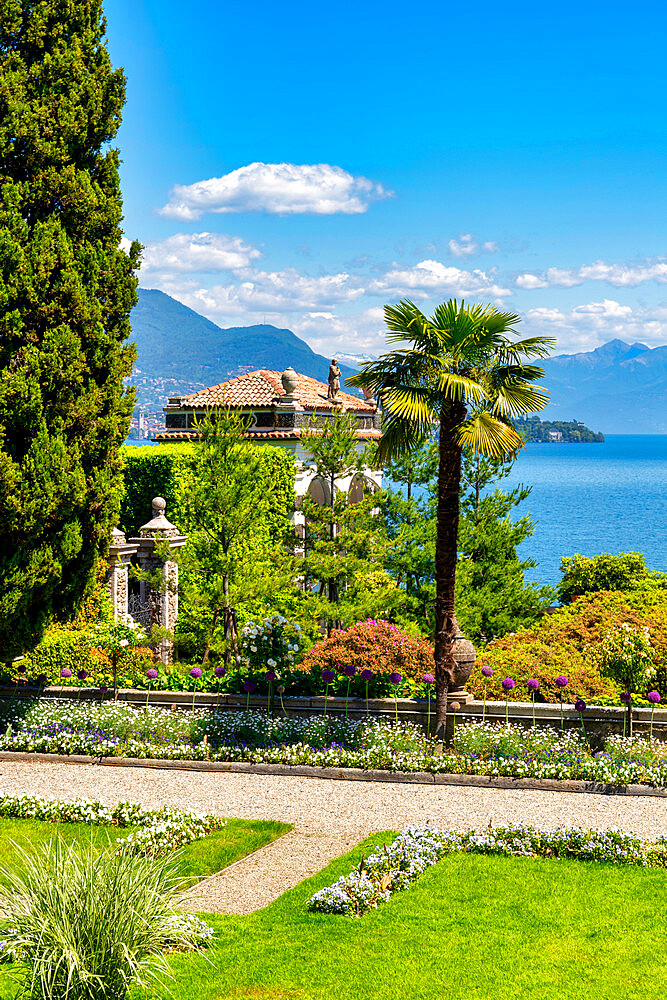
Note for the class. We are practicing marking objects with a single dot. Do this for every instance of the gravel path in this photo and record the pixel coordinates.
(328, 817)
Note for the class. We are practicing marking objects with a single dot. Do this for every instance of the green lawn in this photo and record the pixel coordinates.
(473, 928)
(200, 858)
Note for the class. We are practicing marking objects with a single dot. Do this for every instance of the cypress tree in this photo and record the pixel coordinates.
(66, 291)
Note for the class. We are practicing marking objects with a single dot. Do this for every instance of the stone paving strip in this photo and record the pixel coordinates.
(329, 817)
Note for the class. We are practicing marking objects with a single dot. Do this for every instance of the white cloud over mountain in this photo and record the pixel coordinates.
(198, 252)
(618, 275)
(592, 323)
(277, 189)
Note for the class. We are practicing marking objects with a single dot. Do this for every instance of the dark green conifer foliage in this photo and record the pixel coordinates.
(66, 291)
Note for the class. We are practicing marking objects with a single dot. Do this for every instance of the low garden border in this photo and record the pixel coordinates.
(346, 774)
(391, 869)
(597, 718)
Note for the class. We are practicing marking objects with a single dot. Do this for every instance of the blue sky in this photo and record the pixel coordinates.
(305, 163)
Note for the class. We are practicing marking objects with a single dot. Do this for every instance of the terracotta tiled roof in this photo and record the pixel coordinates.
(261, 388)
(293, 434)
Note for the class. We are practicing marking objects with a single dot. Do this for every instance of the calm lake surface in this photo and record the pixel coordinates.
(593, 498)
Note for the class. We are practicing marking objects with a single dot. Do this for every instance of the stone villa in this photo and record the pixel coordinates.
(280, 404)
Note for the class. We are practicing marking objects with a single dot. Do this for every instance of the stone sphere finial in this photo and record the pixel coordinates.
(290, 381)
(158, 506)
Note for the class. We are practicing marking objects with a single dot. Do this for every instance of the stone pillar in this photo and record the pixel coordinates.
(163, 600)
(120, 554)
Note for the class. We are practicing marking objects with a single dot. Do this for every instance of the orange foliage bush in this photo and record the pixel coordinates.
(565, 643)
(371, 645)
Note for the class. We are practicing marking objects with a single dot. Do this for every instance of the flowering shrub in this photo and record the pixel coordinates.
(390, 869)
(375, 645)
(566, 643)
(273, 644)
(626, 655)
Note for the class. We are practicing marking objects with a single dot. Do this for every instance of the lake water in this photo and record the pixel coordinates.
(593, 498)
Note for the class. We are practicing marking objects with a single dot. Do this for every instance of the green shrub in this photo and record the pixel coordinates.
(584, 575)
(66, 648)
(91, 926)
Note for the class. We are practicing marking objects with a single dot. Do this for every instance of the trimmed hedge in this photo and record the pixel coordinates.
(154, 471)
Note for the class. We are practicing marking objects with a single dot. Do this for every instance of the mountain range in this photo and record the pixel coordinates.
(617, 388)
(180, 351)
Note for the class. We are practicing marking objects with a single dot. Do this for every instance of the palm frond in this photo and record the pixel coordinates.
(515, 398)
(460, 387)
(531, 347)
(411, 404)
(401, 436)
(485, 434)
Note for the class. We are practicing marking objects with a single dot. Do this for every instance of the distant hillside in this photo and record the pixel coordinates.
(179, 350)
(621, 387)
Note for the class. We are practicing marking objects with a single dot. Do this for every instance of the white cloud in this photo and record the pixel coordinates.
(198, 252)
(618, 275)
(467, 245)
(429, 276)
(278, 189)
(263, 292)
(593, 323)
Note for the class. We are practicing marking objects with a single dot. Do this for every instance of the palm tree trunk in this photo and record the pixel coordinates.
(446, 626)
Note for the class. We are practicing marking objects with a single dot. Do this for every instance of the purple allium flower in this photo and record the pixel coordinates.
(42, 679)
(220, 671)
(270, 676)
(81, 674)
(350, 670)
(561, 681)
(366, 675)
(248, 687)
(103, 689)
(151, 673)
(626, 697)
(508, 684)
(196, 672)
(281, 689)
(428, 679)
(454, 705)
(21, 668)
(65, 672)
(580, 705)
(533, 684)
(395, 677)
(653, 697)
(328, 676)
(487, 671)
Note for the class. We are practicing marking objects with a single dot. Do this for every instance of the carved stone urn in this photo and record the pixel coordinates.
(464, 654)
(290, 381)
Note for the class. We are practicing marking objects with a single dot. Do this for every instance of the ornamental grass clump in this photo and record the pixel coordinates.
(90, 925)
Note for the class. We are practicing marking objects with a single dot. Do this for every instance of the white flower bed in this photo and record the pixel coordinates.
(390, 869)
(490, 749)
(161, 830)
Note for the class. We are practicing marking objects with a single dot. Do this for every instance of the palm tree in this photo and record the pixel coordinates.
(464, 377)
